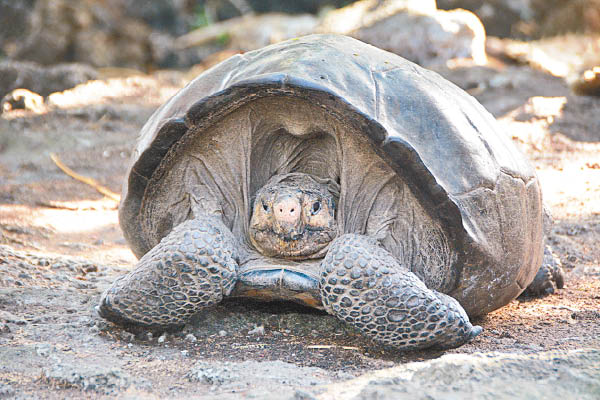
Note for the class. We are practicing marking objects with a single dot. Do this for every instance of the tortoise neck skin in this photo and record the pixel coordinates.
(293, 217)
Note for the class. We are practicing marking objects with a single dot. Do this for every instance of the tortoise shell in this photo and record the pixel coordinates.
(468, 210)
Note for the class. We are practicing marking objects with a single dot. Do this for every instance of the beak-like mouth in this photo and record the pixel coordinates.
(291, 237)
(292, 243)
(288, 232)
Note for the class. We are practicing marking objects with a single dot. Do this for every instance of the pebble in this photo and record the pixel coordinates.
(162, 338)
(258, 330)
(191, 338)
(222, 333)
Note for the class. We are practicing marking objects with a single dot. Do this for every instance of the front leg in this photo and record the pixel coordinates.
(191, 268)
(363, 284)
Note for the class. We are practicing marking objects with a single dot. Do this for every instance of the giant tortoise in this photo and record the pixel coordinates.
(328, 172)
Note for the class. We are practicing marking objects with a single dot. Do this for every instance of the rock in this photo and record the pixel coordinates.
(191, 338)
(258, 331)
(503, 18)
(428, 36)
(224, 9)
(123, 33)
(22, 99)
(557, 374)
(564, 56)
(369, 12)
(210, 374)
(169, 16)
(581, 16)
(165, 54)
(273, 375)
(88, 377)
(250, 31)
(98, 33)
(526, 19)
(42, 80)
(125, 46)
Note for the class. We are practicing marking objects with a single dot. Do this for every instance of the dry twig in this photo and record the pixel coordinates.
(87, 180)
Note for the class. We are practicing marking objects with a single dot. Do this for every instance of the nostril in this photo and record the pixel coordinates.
(292, 210)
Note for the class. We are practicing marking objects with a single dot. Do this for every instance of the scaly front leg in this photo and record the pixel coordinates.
(364, 285)
(191, 268)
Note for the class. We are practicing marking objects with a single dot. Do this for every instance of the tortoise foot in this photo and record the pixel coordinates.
(364, 285)
(549, 277)
(191, 268)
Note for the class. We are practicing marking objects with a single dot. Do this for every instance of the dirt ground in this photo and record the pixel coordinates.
(60, 246)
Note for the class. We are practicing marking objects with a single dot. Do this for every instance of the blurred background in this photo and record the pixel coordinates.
(556, 36)
(79, 78)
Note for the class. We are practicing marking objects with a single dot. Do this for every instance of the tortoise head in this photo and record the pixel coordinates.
(294, 217)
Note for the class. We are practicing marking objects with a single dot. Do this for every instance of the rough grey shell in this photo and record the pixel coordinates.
(446, 146)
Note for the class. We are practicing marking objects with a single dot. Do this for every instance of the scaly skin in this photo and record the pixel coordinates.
(191, 268)
(364, 285)
(361, 283)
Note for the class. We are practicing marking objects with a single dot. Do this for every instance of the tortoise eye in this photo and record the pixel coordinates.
(265, 207)
(316, 207)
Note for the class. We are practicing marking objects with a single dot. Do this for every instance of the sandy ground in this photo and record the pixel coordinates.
(60, 246)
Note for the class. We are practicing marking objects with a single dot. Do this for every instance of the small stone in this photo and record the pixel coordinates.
(258, 330)
(162, 338)
(191, 338)
(222, 333)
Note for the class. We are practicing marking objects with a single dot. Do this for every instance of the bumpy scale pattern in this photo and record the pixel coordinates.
(192, 267)
(364, 285)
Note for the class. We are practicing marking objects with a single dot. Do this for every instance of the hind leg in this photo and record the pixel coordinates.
(364, 285)
(191, 268)
(549, 277)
